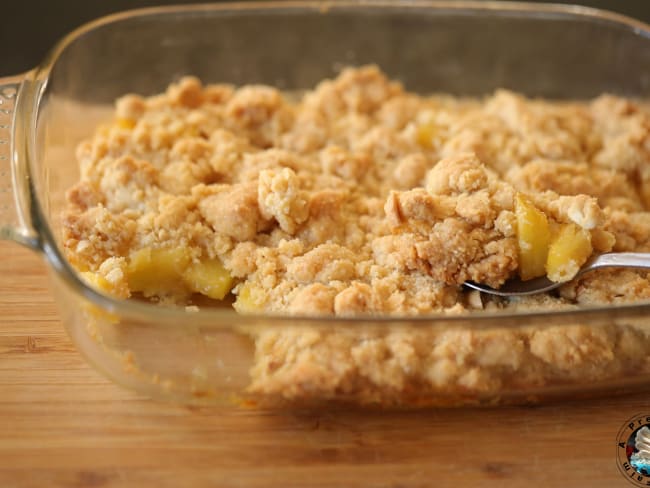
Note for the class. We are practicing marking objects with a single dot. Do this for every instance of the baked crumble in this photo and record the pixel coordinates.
(358, 198)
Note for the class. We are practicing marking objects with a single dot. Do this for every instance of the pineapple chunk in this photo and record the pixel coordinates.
(171, 271)
(250, 299)
(430, 134)
(127, 124)
(209, 278)
(157, 271)
(534, 237)
(97, 281)
(569, 250)
(425, 134)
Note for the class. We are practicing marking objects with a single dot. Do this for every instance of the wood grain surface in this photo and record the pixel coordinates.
(63, 425)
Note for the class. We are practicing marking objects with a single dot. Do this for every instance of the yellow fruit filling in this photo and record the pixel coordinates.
(127, 124)
(558, 254)
(157, 271)
(97, 281)
(168, 271)
(209, 278)
(533, 236)
(425, 135)
(250, 299)
(569, 250)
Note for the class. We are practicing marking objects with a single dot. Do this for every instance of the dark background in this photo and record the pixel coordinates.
(30, 27)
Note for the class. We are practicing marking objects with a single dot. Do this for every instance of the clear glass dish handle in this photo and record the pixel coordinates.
(14, 184)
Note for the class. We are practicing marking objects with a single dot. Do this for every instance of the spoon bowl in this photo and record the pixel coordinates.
(516, 287)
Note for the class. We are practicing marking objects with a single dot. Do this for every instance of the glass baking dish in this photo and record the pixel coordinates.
(210, 356)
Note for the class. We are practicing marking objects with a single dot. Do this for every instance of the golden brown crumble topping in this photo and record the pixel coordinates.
(385, 199)
(362, 198)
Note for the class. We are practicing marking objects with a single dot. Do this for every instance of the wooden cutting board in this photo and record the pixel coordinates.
(64, 425)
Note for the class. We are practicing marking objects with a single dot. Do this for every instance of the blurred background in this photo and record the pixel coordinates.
(30, 27)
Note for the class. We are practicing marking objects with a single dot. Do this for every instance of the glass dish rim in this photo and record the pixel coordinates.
(36, 80)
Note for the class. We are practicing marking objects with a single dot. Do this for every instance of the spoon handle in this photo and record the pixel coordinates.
(619, 260)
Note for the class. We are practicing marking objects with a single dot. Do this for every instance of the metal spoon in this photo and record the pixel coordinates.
(517, 288)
